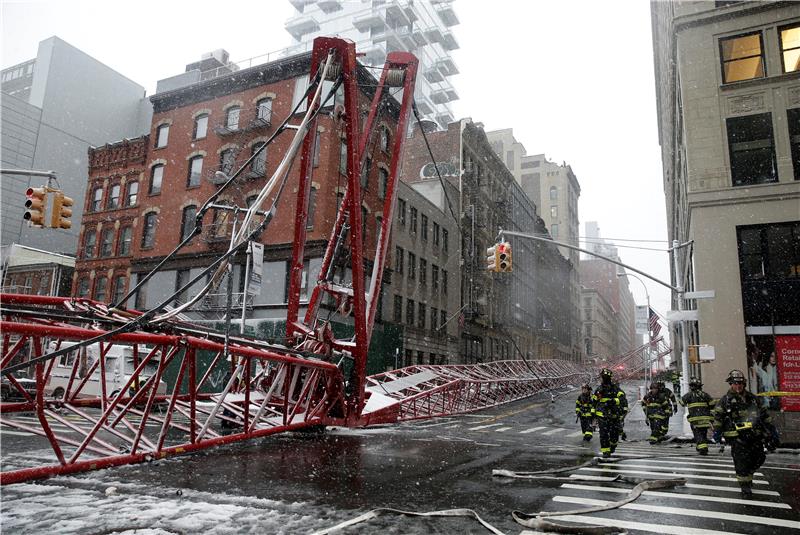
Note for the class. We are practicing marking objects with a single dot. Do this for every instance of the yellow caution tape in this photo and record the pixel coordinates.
(778, 394)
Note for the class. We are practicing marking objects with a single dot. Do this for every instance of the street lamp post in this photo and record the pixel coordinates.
(647, 370)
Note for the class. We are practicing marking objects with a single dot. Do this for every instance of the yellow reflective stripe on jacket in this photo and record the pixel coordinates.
(698, 404)
(730, 434)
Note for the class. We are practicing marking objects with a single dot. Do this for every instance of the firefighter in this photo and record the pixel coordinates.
(700, 405)
(611, 406)
(584, 411)
(656, 407)
(673, 403)
(746, 425)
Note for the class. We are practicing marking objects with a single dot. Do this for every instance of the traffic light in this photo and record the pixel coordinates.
(504, 257)
(35, 206)
(62, 211)
(492, 260)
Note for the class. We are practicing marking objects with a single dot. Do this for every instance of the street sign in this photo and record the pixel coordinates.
(700, 294)
(257, 253)
(681, 315)
(642, 319)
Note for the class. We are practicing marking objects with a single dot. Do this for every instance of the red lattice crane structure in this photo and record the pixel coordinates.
(100, 417)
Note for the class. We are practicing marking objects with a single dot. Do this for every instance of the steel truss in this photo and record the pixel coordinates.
(100, 418)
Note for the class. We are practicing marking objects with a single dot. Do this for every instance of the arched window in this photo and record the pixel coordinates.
(107, 243)
(195, 171)
(83, 287)
(227, 161)
(188, 221)
(156, 176)
(259, 165)
(200, 126)
(384, 139)
(264, 110)
(125, 238)
(119, 288)
(149, 230)
(100, 288)
(162, 135)
(113, 197)
(133, 194)
(97, 199)
(553, 193)
(232, 118)
(89, 243)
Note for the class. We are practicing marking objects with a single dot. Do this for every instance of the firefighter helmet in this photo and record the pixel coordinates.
(587, 386)
(735, 376)
(695, 382)
(606, 375)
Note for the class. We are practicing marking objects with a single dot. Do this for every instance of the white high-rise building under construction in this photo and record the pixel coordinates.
(378, 27)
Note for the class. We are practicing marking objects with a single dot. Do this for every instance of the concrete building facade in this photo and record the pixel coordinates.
(728, 89)
(422, 27)
(54, 108)
(600, 333)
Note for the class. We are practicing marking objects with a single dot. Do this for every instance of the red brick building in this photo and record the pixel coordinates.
(213, 125)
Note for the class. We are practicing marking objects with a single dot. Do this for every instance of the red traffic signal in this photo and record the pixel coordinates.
(35, 206)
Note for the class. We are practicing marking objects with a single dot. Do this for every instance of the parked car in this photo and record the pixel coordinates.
(10, 392)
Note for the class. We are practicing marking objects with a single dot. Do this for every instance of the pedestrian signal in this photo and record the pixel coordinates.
(62, 211)
(35, 206)
(492, 260)
(504, 257)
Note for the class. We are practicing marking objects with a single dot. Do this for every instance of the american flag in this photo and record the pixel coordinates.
(655, 327)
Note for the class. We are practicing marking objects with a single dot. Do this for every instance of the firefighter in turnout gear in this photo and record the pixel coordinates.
(584, 411)
(673, 403)
(610, 409)
(657, 408)
(700, 405)
(746, 425)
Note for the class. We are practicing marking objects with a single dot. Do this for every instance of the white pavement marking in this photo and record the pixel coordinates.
(697, 497)
(704, 513)
(501, 429)
(483, 427)
(426, 425)
(16, 433)
(687, 468)
(531, 430)
(677, 474)
(575, 434)
(641, 526)
(736, 489)
(453, 426)
(552, 431)
(690, 463)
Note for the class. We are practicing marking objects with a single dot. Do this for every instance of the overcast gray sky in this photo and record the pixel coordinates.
(574, 79)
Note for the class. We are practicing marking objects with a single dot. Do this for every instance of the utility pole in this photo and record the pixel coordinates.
(649, 331)
(684, 338)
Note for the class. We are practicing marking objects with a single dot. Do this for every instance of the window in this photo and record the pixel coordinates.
(794, 139)
(227, 160)
(162, 134)
(421, 315)
(365, 173)
(398, 308)
(89, 243)
(363, 224)
(100, 288)
(113, 197)
(83, 287)
(742, 57)
(97, 199)
(312, 207)
(124, 244)
(434, 318)
(444, 239)
(221, 227)
(343, 157)
(398, 259)
(149, 230)
(383, 182)
(435, 278)
(554, 211)
(119, 289)
(752, 149)
(790, 47)
(410, 311)
(436, 233)
(156, 176)
(133, 194)
(554, 231)
(188, 221)
(259, 163)
(530, 164)
(444, 281)
(510, 159)
(424, 227)
(553, 193)
(264, 110)
(384, 140)
(442, 318)
(141, 294)
(413, 229)
(182, 277)
(107, 243)
(195, 170)
(412, 266)
(232, 118)
(401, 211)
(317, 148)
(423, 271)
(200, 126)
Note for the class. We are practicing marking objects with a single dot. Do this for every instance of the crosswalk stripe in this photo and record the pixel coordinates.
(531, 430)
(427, 425)
(15, 433)
(552, 431)
(704, 513)
(501, 429)
(690, 463)
(452, 426)
(641, 526)
(575, 434)
(678, 474)
(682, 496)
(478, 428)
(729, 489)
(679, 468)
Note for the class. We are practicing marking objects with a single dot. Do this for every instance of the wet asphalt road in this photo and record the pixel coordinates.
(301, 483)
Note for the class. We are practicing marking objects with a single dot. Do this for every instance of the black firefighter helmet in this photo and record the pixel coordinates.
(735, 376)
